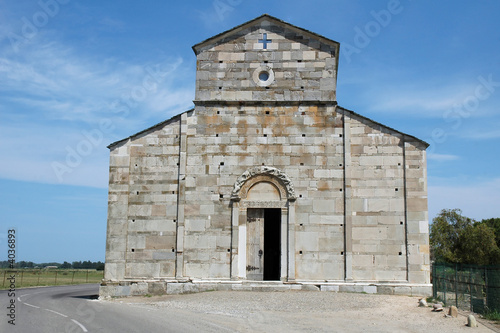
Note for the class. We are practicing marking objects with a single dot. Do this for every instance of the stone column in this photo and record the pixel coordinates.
(291, 240)
(347, 200)
(181, 198)
(235, 210)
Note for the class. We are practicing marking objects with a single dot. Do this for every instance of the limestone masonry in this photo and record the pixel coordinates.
(267, 182)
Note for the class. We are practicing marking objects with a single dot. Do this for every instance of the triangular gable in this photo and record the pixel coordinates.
(236, 32)
(366, 120)
(148, 130)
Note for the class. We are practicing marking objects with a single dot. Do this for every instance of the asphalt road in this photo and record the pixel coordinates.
(75, 309)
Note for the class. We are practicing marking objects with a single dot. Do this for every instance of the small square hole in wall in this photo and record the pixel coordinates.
(301, 163)
(301, 224)
(340, 189)
(267, 88)
(300, 252)
(396, 189)
(300, 195)
(133, 250)
(173, 192)
(228, 250)
(265, 135)
(221, 196)
(341, 225)
(220, 62)
(401, 222)
(303, 113)
(303, 135)
(400, 253)
(216, 135)
(340, 164)
(299, 60)
(302, 87)
(177, 163)
(221, 163)
(399, 164)
(267, 112)
(266, 62)
(133, 221)
(220, 88)
(173, 250)
(262, 163)
(137, 192)
(342, 253)
(340, 135)
(174, 221)
(218, 112)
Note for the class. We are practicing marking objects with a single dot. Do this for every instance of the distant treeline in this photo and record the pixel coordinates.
(98, 265)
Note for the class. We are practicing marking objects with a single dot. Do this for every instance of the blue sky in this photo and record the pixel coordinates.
(77, 75)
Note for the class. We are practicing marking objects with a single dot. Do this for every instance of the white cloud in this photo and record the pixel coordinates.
(427, 101)
(477, 201)
(482, 134)
(50, 94)
(442, 157)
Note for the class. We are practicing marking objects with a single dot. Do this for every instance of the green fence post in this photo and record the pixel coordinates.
(38, 280)
(73, 277)
(456, 285)
(470, 288)
(486, 285)
(22, 275)
(87, 280)
(445, 286)
(55, 280)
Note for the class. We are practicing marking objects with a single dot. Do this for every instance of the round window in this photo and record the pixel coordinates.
(263, 76)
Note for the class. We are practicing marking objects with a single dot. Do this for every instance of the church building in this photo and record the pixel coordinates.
(267, 183)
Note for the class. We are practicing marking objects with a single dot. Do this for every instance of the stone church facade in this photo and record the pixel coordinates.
(267, 182)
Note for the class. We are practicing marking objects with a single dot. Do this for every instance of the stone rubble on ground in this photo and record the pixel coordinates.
(471, 321)
(453, 311)
(422, 302)
(437, 307)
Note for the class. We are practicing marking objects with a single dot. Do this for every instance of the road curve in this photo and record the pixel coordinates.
(76, 309)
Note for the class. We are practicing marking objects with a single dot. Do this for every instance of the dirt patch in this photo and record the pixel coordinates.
(299, 311)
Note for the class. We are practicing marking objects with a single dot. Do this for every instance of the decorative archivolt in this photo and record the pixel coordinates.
(259, 174)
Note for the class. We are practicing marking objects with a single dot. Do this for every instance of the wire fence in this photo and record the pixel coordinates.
(468, 287)
(22, 278)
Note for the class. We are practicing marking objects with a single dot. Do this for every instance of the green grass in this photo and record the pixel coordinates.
(48, 277)
(493, 315)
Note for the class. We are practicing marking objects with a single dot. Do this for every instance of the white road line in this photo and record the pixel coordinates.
(81, 326)
(19, 298)
(33, 306)
(56, 313)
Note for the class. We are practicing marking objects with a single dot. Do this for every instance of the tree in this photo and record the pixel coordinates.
(444, 234)
(477, 245)
(494, 223)
(65, 265)
(455, 238)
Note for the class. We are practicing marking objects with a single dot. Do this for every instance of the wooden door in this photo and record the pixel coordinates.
(255, 244)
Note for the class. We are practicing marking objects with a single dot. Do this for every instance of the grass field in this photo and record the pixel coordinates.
(48, 277)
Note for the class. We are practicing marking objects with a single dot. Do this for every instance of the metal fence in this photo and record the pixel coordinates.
(468, 287)
(21, 278)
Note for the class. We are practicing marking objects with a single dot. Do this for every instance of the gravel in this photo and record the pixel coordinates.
(308, 311)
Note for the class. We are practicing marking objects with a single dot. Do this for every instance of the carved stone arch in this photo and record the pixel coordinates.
(263, 174)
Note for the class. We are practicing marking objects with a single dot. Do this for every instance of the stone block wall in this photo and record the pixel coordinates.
(303, 67)
(305, 142)
(417, 213)
(141, 239)
(377, 194)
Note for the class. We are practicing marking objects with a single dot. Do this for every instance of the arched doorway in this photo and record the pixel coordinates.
(263, 214)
